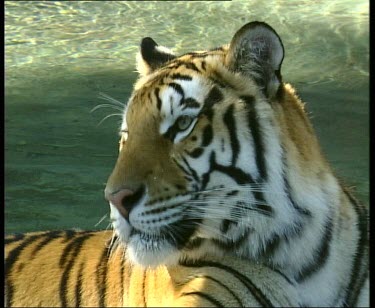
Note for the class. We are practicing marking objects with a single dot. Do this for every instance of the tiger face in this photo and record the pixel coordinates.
(192, 167)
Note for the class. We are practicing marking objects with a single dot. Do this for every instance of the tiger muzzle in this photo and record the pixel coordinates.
(125, 199)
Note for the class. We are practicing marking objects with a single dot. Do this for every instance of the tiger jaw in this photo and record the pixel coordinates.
(151, 250)
(155, 233)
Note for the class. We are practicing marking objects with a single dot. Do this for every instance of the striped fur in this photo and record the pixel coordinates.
(78, 268)
(218, 157)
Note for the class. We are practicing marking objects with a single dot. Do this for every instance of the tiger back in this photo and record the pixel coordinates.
(82, 269)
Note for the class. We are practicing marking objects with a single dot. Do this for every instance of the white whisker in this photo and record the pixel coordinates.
(108, 116)
(101, 220)
(219, 201)
(111, 245)
(110, 99)
(106, 106)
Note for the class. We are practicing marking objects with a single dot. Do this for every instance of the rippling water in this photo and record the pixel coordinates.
(60, 55)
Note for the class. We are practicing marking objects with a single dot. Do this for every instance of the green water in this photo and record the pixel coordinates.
(60, 55)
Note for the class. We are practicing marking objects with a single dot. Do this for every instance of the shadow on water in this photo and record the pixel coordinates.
(341, 120)
(57, 157)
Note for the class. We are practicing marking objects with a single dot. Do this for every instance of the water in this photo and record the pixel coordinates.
(60, 55)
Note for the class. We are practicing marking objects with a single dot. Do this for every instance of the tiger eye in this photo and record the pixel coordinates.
(183, 122)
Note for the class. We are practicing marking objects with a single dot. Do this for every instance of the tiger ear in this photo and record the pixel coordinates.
(152, 56)
(256, 51)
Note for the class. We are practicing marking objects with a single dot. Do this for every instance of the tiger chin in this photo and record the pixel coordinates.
(218, 157)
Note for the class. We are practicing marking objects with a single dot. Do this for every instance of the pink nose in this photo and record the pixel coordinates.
(125, 199)
(117, 197)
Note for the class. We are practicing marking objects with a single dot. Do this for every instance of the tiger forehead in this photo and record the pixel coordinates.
(197, 63)
(151, 90)
(170, 91)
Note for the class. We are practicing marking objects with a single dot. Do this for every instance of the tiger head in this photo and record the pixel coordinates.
(200, 165)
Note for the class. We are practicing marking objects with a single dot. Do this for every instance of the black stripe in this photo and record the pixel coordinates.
(68, 249)
(101, 277)
(241, 178)
(288, 191)
(209, 113)
(10, 262)
(232, 193)
(220, 83)
(179, 186)
(50, 236)
(180, 232)
(190, 65)
(122, 268)
(159, 210)
(225, 225)
(192, 172)
(266, 209)
(178, 63)
(14, 238)
(284, 276)
(185, 171)
(195, 54)
(78, 289)
(72, 249)
(253, 289)
(360, 269)
(144, 287)
(178, 88)
(195, 153)
(205, 296)
(271, 246)
(69, 234)
(229, 121)
(220, 48)
(207, 135)
(234, 295)
(255, 132)
(158, 100)
(190, 103)
(214, 96)
(203, 65)
(181, 77)
(321, 254)
(237, 174)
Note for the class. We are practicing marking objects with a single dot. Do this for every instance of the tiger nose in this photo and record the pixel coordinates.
(117, 197)
(124, 199)
(119, 200)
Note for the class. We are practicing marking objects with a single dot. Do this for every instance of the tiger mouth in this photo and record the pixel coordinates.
(176, 235)
(150, 242)
(148, 238)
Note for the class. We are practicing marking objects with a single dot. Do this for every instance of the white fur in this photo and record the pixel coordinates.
(321, 196)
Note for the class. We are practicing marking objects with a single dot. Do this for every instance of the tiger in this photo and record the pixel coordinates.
(71, 268)
(220, 196)
(218, 157)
